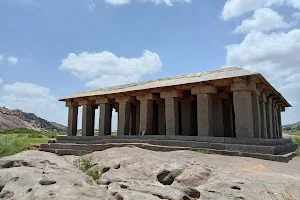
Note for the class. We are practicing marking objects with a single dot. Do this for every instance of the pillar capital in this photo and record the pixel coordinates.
(150, 96)
(86, 102)
(124, 99)
(101, 100)
(277, 102)
(261, 87)
(263, 98)
(244, 86)
(171, 93)
(207, 89)
(270, 99)
(71, 104)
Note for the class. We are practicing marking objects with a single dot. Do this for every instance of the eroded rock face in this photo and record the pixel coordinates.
(10, 119)
(130, 173)
(39, 175)
(143, 174)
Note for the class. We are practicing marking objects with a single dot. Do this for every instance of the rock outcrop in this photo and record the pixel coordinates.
(10, 119)
(130, 173)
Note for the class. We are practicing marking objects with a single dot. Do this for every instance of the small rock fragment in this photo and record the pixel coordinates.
(45, 181)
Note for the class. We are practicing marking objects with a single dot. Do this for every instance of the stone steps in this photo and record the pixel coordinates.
(272, 150)
(82, 149)
(269, 149)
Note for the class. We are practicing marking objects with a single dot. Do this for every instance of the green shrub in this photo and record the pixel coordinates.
(12, 145)
(85, 164)
(296, 140)
(50, 134)
(35, 135)
(206, 151)
(94, 173)
(298, 152)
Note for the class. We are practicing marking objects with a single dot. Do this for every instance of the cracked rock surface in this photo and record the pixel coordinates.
(130, 173)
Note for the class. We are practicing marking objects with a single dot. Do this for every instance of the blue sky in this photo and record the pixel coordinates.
(48, 48)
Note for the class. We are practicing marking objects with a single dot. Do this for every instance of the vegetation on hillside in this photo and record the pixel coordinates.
(16, 140)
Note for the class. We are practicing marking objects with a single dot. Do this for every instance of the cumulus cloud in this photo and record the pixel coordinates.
(263, 19)
(167, 2)
(12, 60)
(276, 57)
(236, 8)
(296, 15)
(105, 68)
(35, 99)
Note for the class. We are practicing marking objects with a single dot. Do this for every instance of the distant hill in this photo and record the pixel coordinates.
(10, 119)
(295, 126)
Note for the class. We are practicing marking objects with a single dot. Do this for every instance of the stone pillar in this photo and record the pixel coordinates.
(137, 117)
(186, 113)
(256, 115)
(280, 122)
(204, 108)
(161, 117)
(133, 120)
(242, 103)
(88, 117)
(72, 118)
(276, 120)
(171, 111)
(146, 113)
(269, 117)
(263, 116)
(105, 115)
(228, 118)
(124, 115)
(217, 116)
(105, 119)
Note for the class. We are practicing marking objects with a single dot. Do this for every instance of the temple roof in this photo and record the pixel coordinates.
(223, 73)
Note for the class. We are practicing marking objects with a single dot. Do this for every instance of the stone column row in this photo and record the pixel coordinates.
(255, 114)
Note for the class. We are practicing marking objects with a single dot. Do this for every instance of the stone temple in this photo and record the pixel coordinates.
(229, 111)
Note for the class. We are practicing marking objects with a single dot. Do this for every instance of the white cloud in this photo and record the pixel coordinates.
(263, 19)
(236, 8)
(167, 2)
(293, 3)
(296, 15)
(105, 68)
(35, 99)
(276, 57)
(1, 58)
(12, 60)
(118, 2)
(91, 6)
(1, 81)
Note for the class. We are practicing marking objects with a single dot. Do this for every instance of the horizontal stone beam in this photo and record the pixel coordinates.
(71, 103)
(150, 96)
(103, 100)
(171, 93)
(86, 102)
(243, 86)
(207, 89)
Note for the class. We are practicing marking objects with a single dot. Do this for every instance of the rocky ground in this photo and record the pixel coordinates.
(133, 173)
